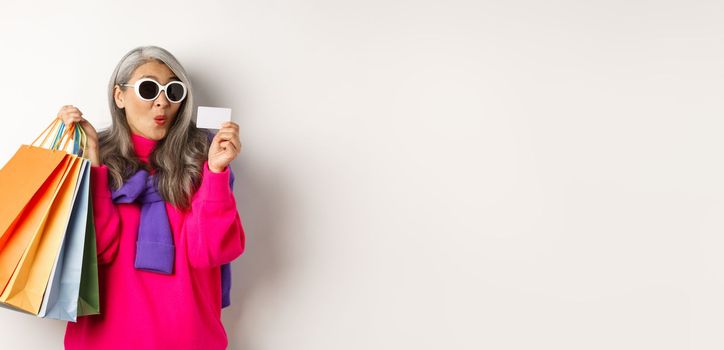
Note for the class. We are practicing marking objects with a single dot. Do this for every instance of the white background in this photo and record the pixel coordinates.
(431, 174)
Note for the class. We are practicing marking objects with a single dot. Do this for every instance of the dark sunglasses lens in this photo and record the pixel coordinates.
(175, 92)
(148, 90)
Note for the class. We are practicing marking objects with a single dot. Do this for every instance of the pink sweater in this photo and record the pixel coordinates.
(145, 310)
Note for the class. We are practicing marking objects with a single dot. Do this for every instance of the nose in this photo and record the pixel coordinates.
(161, 100)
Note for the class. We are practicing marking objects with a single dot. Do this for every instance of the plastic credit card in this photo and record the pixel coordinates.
(212, 117)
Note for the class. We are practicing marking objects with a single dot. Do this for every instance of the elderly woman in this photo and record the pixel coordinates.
(166, 220)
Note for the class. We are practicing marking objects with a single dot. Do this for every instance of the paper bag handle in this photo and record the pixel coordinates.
(62, 135)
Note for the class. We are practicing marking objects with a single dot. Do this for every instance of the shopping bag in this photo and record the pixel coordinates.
(31, 222)
(29, 280)
(82, 290)
(78, 291)
(27, 285)
(30, 169)
(89, 298)
(61, 296)
(20, 179)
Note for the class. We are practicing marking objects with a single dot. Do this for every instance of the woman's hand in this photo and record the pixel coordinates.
(224, 147)
(69, 115)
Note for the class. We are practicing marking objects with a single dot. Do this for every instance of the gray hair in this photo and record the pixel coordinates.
(177, 158)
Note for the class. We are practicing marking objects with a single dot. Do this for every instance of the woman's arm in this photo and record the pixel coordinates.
(105, 216)
(213, 231)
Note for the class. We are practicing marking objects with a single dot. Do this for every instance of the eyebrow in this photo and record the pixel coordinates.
(155, 77)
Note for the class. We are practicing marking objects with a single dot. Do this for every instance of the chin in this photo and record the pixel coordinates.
(157, 134)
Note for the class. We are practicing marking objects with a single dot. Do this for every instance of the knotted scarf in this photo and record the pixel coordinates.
(155, 248)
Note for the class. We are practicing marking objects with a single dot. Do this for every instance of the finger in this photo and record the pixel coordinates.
(84, 122)
(225, 145)
(237, 144)
(224, 130)
(70, 109)
(225, 136)
(233, 148)
(67, 119)
(228, 135)
(73, 119)
(88, 128)
(232, 136)
(63, 110)
(219, 141)
(230, 124)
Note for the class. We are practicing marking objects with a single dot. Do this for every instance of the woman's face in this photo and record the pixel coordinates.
(150, 119)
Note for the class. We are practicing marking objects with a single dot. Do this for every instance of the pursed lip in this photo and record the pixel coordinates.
(160, 120)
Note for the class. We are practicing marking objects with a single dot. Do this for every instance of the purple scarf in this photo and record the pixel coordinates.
(155, 248)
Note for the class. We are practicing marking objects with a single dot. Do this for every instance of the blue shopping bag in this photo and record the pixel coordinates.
(61, 297)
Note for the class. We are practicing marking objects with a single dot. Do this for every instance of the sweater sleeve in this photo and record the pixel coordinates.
(213, 231)
(105, 216)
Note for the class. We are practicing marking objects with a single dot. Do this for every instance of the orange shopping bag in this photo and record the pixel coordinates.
(30, 222)
(20, 179)
(38, 230)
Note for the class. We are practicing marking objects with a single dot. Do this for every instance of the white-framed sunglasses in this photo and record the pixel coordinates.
(148, 89)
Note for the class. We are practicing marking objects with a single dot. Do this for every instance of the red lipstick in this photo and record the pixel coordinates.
(160, 119)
